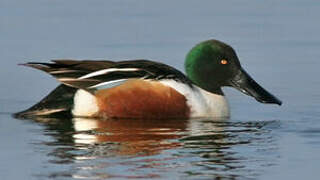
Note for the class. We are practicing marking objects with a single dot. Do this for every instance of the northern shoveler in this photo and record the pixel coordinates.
(148, 89)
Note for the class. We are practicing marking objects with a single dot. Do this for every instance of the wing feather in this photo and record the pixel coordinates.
(93, 75)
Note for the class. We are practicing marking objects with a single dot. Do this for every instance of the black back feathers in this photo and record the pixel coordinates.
(90, 75)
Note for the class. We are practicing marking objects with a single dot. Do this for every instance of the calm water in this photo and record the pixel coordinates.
(277, 42)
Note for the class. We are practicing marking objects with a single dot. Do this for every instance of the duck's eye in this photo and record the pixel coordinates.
(224, 61)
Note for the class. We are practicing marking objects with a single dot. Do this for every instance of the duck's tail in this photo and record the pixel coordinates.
(58, 102)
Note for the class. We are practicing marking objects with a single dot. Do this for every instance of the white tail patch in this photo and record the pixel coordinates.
(85, 104)
(106, 71)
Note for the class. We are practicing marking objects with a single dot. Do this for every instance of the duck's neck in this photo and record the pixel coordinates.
(217, 104)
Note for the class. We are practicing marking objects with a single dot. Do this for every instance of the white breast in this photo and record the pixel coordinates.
(201, 102)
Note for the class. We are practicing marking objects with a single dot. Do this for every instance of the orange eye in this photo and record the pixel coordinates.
(223, 61)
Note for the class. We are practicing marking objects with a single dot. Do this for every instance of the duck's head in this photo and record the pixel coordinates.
(213, 64)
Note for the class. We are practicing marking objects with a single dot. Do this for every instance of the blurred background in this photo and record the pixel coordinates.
(277, 43)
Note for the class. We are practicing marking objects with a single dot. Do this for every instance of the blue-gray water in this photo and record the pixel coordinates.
(277, 42)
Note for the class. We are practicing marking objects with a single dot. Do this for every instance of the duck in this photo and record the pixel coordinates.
(148, 89)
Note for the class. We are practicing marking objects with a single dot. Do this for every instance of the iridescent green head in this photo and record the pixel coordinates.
(213, 64)
(210, 64)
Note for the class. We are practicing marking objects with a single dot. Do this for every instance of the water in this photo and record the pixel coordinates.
(277, 43)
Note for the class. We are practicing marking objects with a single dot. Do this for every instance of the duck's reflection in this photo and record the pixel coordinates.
(134, 136)
(127, 148)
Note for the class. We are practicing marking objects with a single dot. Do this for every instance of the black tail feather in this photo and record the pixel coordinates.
(59, 101)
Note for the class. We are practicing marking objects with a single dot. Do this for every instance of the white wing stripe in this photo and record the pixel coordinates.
(109, 84)
(106, 71)
(63, 71)
(67, 79)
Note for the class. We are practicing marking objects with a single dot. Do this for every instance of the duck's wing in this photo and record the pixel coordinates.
(68, 71)
(93, 75)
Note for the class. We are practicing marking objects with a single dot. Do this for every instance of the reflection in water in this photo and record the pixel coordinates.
(134, 137)
(127, 148)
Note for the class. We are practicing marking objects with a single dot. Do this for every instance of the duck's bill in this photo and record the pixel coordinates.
(244, 83)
